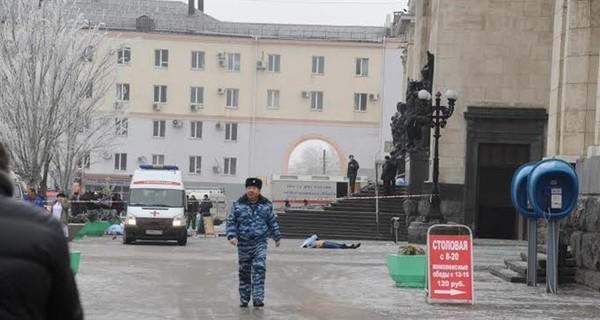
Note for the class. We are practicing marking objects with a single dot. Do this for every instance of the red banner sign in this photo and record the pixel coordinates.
(450, 268)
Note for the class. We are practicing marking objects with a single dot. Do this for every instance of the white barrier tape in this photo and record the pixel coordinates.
(334, 199)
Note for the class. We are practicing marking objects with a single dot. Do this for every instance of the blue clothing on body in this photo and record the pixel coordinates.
(251, 224)
(38, 201)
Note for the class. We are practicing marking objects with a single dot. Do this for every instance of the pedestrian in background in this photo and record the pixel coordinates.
(248, 225)
(33, 198)
(36, 280)
(192, 211)
(60, 211)
(352, 173)
(388, 175)
(80, 201)
(206, 220)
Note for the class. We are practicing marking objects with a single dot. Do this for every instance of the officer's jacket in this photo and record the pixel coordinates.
(252, 222)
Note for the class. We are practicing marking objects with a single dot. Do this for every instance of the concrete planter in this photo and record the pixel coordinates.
(407, 271)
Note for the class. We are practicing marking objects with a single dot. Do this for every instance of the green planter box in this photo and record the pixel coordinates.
(75, 260)
(407, 271)
(93, 229)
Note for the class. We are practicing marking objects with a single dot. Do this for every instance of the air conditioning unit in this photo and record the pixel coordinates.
(221, 91)
(177, 123)
(141, 159)
(196, 107)
(305, 94)
(222, 63)
(156, 107)
(106, 155)
(373, 96)
(219, 125)
(216, 169)
(221, 55)
(261, 64)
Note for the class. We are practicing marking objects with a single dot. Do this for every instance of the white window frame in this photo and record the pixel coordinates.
(197, 95)
(229, 166)
(362, 67)
(159, 128)
(234, 61)
(158, 159)
(120, 163)
(121, 126)
(196, 128)
(161, 58)
(316, 100)
(274, 63)
(232, 98)
(161, 93)
(198, 60)
(318, 65)
(273, 96)
(231, 131)
(360, 102)
(196, 163)
(123, 92)
(124, 56)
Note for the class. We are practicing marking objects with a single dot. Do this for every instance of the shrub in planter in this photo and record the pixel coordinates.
(408, 267)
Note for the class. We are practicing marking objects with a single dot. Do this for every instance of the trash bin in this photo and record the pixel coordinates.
(395, 228)
(75, 260)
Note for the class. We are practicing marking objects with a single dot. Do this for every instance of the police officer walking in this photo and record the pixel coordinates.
(248, 225)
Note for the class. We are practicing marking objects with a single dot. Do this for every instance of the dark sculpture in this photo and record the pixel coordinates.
(410, 129)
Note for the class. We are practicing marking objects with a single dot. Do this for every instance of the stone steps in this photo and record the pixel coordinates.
(353, 218)
(516, 270)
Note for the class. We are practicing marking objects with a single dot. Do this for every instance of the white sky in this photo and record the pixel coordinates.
(329, 12)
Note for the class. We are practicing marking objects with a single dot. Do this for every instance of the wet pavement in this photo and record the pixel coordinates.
(199, 281)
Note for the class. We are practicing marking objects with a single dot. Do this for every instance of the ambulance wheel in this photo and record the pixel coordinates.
(182, 241)
(127, 239)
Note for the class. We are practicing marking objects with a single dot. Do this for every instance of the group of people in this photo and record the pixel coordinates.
(80, 202)
(201, 209)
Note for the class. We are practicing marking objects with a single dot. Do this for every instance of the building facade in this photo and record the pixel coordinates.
(229, 100)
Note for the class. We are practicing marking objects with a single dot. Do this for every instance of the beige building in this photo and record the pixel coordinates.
(526, 73)
(228, 100)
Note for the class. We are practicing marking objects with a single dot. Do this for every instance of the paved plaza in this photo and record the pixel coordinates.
(164, 281)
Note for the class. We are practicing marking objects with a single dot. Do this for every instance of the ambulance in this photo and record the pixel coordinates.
(156, 206)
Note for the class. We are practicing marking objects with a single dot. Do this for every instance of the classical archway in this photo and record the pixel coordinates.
(314, 154)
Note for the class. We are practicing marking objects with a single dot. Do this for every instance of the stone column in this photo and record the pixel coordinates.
(573, 118)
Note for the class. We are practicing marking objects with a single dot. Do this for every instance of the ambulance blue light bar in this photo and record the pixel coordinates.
(158, 167)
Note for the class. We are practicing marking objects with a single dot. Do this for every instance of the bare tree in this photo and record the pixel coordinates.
(55, 72)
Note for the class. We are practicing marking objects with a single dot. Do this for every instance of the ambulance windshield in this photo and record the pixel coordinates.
(156, 198)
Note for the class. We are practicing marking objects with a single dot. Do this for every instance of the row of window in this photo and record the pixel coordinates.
(159, 129)
(232, 97)
(233, 60)
(195, 163)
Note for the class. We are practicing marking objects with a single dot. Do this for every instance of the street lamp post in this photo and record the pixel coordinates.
(438, 117)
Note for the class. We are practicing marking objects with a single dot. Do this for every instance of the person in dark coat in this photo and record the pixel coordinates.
(80, 201)
(388, 175)
(36, 281)
(352, 173)
(192, 211)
